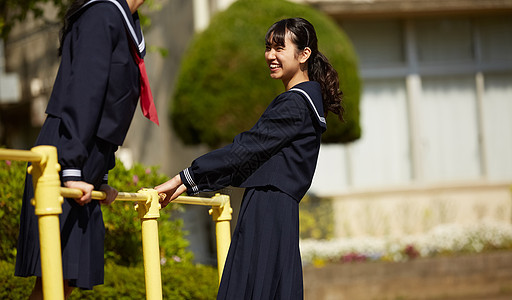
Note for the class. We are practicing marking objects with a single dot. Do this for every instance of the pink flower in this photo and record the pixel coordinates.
(148, 171)
(411, 252)
(353, 257)
(135, 179)
(8, 162)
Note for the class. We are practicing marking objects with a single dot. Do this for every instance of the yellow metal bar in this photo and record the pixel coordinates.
(149, 212)
(99, 195)
(47, 201)
(24, 155)
(221, 215)
(214, 201)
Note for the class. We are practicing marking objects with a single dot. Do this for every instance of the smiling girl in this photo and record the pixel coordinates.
(275, 162)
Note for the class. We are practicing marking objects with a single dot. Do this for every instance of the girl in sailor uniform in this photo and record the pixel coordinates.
(275, 162)
(90, 110)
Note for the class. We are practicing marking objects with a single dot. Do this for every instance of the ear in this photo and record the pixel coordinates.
(304, 55)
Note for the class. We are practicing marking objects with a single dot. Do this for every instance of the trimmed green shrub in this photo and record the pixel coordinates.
(180, 281)
(12, 182)
(123, 238)
(316, 218)
(123, 229)
(13, 287)
(224, 86)
(124, 273)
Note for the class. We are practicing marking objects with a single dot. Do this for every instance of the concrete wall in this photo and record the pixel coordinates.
(397, 212)
(481, 276)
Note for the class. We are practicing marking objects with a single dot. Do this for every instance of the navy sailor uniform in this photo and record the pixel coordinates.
(275, 162)
(89, 112)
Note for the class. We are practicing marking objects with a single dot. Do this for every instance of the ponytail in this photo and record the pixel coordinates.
(320, 70)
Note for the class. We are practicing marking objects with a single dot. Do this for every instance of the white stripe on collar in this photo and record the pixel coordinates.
(322, 119)
(142, 43)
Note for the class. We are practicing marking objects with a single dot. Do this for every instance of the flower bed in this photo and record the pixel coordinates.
(441, 240)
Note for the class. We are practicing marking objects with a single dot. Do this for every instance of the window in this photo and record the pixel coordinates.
(436, 104)
(497, 125)
(448, 129)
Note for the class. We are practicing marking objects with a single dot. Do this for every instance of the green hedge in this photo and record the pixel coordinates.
(316, 218)
(122, 224)
(224, 86)
(123, 229)
(12, 182)
(124, 274)
(179, 281)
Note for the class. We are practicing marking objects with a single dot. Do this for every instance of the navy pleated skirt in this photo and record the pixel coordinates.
(82, 227)
(264, 258)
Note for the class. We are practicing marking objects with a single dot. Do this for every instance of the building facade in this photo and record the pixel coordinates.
(436, 116)
(436, 110)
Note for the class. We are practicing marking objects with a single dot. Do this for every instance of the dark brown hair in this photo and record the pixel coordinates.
(72, 9)
(303, 35)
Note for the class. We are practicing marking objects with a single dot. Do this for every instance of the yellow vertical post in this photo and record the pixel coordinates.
(221, 215)
(47, 202)
(149, 212)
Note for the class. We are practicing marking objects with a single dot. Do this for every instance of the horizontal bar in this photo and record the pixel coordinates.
(23, 155)
(214, 201)
(122, 196)
(99, 195)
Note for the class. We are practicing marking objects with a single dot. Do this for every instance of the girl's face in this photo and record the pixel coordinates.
(286, 62)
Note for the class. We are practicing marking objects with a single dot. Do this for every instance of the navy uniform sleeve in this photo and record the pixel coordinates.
(281, 123)
(91, 44)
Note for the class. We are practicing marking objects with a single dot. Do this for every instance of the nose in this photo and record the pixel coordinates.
(270, 54)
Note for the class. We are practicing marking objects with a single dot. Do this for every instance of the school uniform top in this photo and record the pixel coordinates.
(89, 112)
(97, 86)
(280, 151)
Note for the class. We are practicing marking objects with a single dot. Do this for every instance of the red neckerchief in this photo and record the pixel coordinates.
(146, 98)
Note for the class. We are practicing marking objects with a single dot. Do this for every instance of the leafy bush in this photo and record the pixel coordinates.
(122, 224)
(123, 229)
(124, 273)
(12, 181)
(224, 85)
(13, 287)
(316, 218)
(179, 281)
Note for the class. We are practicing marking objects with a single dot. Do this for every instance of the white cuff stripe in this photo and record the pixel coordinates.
(105, 178)
(193, 185)
(322, 119)
(71, 173)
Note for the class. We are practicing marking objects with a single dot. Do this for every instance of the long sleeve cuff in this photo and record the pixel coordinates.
(188, 181)
(71, 175)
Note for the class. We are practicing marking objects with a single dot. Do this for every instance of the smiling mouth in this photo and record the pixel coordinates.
(274, 66)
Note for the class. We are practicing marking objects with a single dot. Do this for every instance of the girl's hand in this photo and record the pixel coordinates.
(111, 194)
(172, 189)
(86, 189)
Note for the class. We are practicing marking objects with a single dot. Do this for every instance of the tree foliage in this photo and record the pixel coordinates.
(224, 85)
(13, 12)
